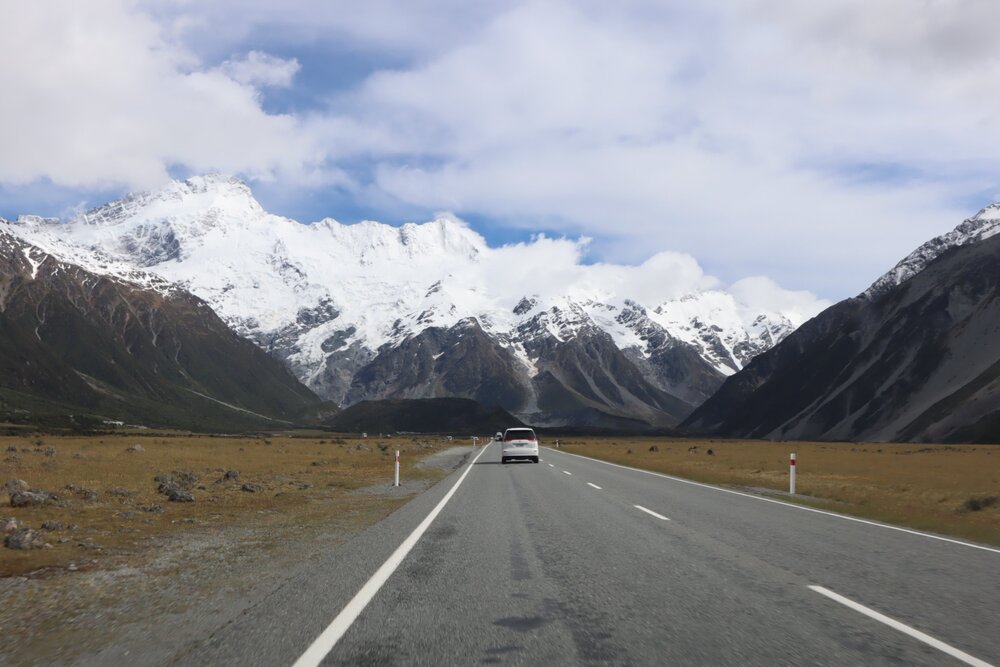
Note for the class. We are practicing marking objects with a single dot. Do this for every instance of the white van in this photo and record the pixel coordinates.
(519, 443)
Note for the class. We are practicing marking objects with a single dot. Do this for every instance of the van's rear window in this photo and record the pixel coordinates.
(519, 434)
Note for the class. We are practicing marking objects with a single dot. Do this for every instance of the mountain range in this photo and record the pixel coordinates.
(915, 357)
(370, 311)
(78, 349)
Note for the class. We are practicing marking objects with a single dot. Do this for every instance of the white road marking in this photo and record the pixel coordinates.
(793, 506)
(658, 516)
(905, 629)
(323, 644)
(551, 466)
(567, 472)
(593, 485)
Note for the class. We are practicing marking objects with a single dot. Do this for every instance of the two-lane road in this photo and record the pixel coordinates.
(577, 561)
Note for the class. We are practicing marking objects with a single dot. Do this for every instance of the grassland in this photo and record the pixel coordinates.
(107, 490)
(940, 488)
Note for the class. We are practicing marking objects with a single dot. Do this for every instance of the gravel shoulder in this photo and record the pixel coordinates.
(185, 586)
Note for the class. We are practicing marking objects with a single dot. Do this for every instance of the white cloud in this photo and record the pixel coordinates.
(729, 134)
(815, 143)
(261, 69)
(94, 95)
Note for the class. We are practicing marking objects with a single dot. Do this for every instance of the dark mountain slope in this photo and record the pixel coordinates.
(112, 349)
(427, 415)
(582, 381)
(915, 361)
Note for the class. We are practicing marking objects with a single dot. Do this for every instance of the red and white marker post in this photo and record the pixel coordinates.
(396, 482)
(791, 475)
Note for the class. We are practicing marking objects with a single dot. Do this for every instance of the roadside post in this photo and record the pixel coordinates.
(396, 480)
(791, 475)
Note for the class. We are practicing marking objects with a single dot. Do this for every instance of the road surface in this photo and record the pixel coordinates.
(574, 561)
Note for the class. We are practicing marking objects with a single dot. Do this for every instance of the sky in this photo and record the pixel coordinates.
(805, 146)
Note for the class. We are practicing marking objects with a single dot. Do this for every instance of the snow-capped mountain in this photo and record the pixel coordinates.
(915, 358)
(340, 303)
(981, 226)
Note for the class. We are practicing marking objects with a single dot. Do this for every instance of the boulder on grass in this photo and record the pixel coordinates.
(30, 498)
(15, 485)
(25, 538)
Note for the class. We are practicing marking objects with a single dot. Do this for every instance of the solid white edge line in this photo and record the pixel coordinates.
(792, 505)
(905, 629)
(593, 485)
(323, 644)
(567, 472)
(651, 512)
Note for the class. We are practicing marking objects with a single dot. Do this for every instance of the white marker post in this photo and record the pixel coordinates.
(396, 483)
(791, 475)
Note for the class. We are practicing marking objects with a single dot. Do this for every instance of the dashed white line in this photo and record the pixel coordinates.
(551, 466)
(650, 512)
(793, 506)
(567, 472)
(905, 629)
(593, 485)
(323, 644)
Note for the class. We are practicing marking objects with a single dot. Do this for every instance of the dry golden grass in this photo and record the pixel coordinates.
(922, 486)
(303, 480)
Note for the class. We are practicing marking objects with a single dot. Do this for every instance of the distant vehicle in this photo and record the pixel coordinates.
(498, 437)
(519, 443)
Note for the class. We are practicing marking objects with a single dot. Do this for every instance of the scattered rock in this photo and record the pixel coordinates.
(136, 448)
(51, 525)
(11, 448)
(252, 488)
(50, 451)
(362, 448)
(151, 508)
(30, 498)
(175, 492)
(13, 458)
(121, 492)
(63, 540)
(185, 478)
(25, 538)
(15, 485)
(320, 463)
(231, 475)
(10, 524)
(73, 526)
(654, 448)
(710, 452)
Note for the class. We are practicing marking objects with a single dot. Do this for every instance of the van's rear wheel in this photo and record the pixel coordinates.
(535, 459)
(503, 459)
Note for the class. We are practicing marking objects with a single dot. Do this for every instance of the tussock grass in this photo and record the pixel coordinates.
(104, 488)
(951, 489)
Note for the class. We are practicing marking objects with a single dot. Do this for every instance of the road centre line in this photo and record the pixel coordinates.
(792, 505)
(551, 466)
(567, 472)
(905, 629)
(651, 512)
(593, 485)
(323, 644)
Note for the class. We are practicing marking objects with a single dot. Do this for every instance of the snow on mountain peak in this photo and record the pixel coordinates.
(312, 292)
(981, 226)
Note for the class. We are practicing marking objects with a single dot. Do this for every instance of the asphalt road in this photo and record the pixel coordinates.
(534, 564)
